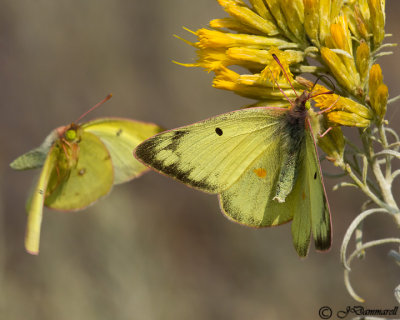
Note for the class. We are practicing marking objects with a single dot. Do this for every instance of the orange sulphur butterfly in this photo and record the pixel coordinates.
(262, 162)
(80, 164)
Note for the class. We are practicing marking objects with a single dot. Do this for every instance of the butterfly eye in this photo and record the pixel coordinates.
(70, 135)
(218, 131)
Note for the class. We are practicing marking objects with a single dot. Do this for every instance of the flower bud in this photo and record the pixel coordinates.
(362, 60)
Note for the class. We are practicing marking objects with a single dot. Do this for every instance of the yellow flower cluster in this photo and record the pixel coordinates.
(342, 35)
(357, 25)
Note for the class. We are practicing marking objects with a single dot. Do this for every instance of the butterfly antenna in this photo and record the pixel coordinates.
(95, 107)
(284, 72)
(279, 87)
(327, 92)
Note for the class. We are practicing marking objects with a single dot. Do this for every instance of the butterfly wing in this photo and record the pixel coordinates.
(320, 211)
(240, 155)
(36, 157)
(35, 204)
(121, 136)
(212, 155)
(89, 178)
(249, 200)
(309, 198)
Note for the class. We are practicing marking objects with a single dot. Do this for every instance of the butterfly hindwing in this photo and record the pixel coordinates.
(120, 136)
(320, 211)
(211, 155)
(249, 200)
(310, 203)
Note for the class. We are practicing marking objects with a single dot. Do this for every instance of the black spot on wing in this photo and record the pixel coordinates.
(119, 132)
(315, 175)
(147, 151)
(219, 131)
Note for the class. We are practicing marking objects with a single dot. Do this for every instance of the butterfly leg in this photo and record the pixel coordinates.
(330, 107)
(326, 131)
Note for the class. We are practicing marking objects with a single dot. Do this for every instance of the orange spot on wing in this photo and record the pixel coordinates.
(260, 172)
(303, 195)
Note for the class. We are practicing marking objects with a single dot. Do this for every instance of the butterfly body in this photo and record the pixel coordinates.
(262, 163)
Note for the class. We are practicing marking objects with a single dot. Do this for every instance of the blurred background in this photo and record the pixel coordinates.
(153, 249)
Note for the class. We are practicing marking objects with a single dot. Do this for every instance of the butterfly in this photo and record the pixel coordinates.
(261, 161)
(80, 164)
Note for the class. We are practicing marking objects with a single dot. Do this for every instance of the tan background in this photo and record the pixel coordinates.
(154, 249)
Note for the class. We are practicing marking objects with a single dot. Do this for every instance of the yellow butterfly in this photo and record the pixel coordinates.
(262, 162)
(80, 164)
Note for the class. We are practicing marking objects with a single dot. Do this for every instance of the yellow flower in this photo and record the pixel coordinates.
(348, 119)
(375, 78)
(342, 74)
(259, 88)
(339, 55)
(332, 143)
(239, 10)
(380, 100)
(233, 24)
(340, 34)
(210, 59)
(273, 70)
(377, 21)
(264, 57)
(362, 60)
(378, 92)
(366, 19)
(218, 39)
(312, 20)
(356, 21)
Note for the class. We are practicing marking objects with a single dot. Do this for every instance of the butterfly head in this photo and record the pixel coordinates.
(302, 102)
(70, 133)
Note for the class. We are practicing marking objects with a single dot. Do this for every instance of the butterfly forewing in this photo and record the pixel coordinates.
(89, 177)
(211, 155)
(35, 204)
